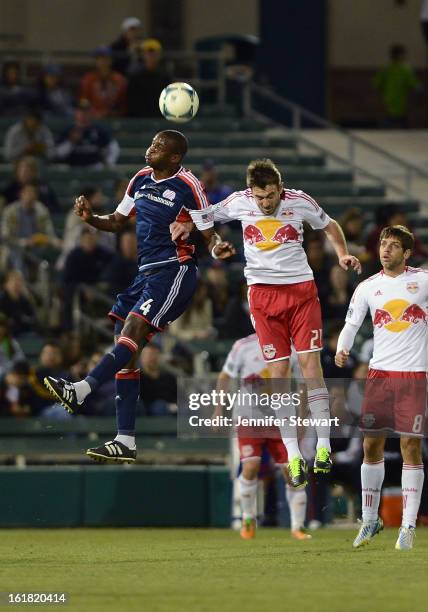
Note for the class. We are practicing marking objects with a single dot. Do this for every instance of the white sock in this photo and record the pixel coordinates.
(320, 409)
(248, 490)
(297, 504)
(128, 441)
(292, 446)
(82, 389)
(372, 475)
(412, 481)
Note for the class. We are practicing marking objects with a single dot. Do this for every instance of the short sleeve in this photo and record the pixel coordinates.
(224, 211)
(232, 365)
(313, 213)
(196, 202)
(358, 307)
(127, 205)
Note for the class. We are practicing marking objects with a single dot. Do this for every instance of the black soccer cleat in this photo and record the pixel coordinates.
(63, 391)
(112, 452)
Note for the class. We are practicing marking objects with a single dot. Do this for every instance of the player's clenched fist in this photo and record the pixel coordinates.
(82, 208)
(341, 358)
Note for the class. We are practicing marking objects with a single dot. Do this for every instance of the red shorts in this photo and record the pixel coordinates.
(395, 401)
(252, 440)
(285, 314)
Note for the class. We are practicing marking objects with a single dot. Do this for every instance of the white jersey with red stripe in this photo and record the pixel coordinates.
(398, 308)
(273, 243)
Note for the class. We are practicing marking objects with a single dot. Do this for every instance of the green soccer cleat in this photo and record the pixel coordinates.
(406, 537)
(367, 532)
(323, 462)
(298, 471)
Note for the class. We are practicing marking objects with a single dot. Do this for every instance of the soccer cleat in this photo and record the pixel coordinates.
(406, 537)
(63, 391)
(300, 534)
(248, 529)
(298, 471)
(367, 532)
(112, 452)
(323, 462)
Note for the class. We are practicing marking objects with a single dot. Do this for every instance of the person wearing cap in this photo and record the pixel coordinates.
(104, 88)
(123, 48)
(29, 137)
(85, 143)
(147, 81)
(53, 97)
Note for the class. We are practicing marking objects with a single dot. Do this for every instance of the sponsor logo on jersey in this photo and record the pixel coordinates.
(269, 234)
(398, 315)
(158, 199)
(412, 287)
(169, 194)
(269, 351)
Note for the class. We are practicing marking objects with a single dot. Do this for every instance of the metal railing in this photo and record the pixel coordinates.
(353, 148)
(183, 65)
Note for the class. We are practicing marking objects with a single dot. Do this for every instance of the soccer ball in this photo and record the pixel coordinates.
(179, 102)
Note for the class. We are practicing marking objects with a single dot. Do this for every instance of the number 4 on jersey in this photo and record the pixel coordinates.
(145, 307)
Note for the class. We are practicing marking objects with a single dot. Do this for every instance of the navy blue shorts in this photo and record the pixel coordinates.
(158, 296)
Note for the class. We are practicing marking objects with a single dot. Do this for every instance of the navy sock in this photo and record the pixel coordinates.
(112, 362)
(127, 393)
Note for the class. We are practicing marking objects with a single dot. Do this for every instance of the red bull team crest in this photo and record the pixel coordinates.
(268, 234)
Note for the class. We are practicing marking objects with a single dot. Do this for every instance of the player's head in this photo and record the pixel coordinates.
(167, 150)
(264, 180)
(395, 246)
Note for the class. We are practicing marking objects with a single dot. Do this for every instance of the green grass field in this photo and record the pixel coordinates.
(206, 570)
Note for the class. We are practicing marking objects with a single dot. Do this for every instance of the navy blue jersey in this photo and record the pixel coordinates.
(156, 205)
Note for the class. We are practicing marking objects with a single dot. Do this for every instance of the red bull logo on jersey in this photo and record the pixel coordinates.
(269, 234)
(398, 315)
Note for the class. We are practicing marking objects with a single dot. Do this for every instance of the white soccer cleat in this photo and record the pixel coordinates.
(367, 532)
(406, 537)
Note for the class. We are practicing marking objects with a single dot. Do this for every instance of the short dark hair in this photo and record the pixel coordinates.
(178, 140)
(262, 172)
(397, 51)
(403, 234)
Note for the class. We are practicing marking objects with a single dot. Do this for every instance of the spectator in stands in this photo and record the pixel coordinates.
(328, 353)
(74, 225)
(101, 402)
(147, 82)
(17, 303)
(121, 271)
(321, 265)
(197, 322)
(10, 351)
(237, 323)
(124, 47)
(86, 143)
(84, 264)
(352, 224)
(216, 191)
(29, 137)
(27, 171)
(340, 294)
(14, 97)
(104, 87)
(51, 363)
(395, 83)
(392, 214)
(17, 397)
(424, 20)
(53, 98)
(158, 391)
(27, 222)
(218, 290)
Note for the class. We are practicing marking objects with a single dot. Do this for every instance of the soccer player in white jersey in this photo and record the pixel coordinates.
(395, 394)
(283, 297)
(245, 362)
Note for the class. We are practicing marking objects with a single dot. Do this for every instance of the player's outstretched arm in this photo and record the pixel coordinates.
(337, 238)
(106, 223)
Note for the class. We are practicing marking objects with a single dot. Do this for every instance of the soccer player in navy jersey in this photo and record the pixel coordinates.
(158, 195)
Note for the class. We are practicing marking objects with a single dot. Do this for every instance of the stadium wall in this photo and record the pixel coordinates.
(116, 496)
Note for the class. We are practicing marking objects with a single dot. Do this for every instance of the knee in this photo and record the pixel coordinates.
(136, 329)
(411, 450)
(250, 470)
(373, 449)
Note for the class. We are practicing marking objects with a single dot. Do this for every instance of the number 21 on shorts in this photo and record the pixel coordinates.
(316, 339)
(145, 306)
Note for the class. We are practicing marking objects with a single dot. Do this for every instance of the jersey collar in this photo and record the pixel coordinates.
(167, 178)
